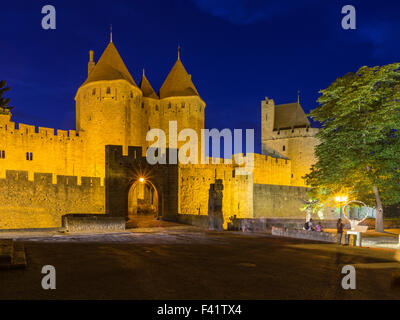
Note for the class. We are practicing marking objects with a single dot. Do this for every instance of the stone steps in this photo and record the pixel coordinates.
(12, 254)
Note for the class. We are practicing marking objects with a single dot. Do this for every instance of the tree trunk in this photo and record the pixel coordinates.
(379, 211)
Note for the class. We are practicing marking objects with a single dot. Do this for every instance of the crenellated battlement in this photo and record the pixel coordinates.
(46, 179)
(30, 131)
(295, 133)
(264, 161)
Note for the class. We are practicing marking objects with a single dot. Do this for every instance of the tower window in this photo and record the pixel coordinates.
(169, 105)
(183, 105)
(283, 148)
(29, 156)
(131, 94)
(2, 154)
(142, 105)
(108, 90)
(156, 107)
(93, 91)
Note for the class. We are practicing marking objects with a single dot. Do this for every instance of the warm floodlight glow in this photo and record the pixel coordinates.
(341, 199)
(141, 180)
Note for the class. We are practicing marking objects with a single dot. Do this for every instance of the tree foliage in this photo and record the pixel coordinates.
(4, 102)
(359, 150)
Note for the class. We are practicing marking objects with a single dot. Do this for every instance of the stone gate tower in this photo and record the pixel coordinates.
(108, 107)
(112, 110)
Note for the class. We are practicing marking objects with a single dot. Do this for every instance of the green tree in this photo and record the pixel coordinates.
(4, 107)
(359, 150)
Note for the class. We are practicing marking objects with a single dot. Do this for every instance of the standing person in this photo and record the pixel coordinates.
(318, 227)
(339, 226)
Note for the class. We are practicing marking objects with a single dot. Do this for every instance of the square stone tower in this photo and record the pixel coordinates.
(286, 133)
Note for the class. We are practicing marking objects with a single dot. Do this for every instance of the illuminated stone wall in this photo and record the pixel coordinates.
(187, 111)
(194, 185)
(272, 201)
(40, 203)
(195, 180)
(63, 152)
(109, 113)
(269, 170)
(298, 145)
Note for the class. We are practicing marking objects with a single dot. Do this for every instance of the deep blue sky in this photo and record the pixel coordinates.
(238, 51)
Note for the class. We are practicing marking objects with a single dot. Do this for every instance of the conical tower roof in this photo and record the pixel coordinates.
(178, 83)
(146, 88)
(110, 67)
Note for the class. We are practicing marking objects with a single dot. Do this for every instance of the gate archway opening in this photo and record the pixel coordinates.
(143, 200)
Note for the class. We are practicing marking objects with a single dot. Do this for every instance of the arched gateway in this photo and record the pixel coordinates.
(142, 199)
(133, 185)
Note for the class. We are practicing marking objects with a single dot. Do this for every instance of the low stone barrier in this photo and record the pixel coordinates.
(304, 234)
(381, 242)
(201, 221)
(248, 225)
(92, 223)
(263, 224)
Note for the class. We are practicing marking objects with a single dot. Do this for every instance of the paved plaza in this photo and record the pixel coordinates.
(183, 262)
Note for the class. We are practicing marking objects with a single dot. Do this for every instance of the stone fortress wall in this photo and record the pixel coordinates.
(31, 149)
(45, 174)
(264, 192)
(40, 202)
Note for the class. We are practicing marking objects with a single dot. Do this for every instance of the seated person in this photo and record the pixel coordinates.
(309, 225)
(318, 227)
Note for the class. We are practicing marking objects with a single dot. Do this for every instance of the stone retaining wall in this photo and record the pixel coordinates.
(303, 234)
(263, 224)
(201, 221)
(92, 223)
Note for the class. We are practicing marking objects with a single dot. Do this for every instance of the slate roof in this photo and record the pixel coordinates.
(110, 67)
(178, 83)
(290, 115)
(146, 88)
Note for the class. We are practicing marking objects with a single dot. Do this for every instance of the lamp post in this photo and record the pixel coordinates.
(341, 200)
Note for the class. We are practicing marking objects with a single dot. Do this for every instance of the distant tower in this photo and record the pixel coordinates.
(286, 133)
(267, 123)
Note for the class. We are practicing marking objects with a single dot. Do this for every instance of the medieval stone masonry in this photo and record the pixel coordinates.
(46, 173)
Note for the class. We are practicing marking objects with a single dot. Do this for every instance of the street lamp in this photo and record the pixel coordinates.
(141, 179)
(341, 200)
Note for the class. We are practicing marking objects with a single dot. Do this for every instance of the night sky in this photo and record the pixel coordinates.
(238, 52)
